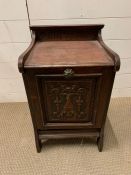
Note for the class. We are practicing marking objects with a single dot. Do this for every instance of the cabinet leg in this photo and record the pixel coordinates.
(38, 142)
(38, 146)
(100, 143)
(100, 139)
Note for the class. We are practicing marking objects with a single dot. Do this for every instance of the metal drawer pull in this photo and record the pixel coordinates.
(68, 73)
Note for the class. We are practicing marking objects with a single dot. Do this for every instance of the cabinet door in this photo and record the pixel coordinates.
(69, 102)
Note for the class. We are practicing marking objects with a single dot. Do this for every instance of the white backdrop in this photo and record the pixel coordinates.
(15, 35)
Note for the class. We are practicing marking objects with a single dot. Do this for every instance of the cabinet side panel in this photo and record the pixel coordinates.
(104, 96)
(32, 95)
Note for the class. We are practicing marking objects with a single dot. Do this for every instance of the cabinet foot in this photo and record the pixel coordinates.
(38, 146)
(38, 142)
(100, 143)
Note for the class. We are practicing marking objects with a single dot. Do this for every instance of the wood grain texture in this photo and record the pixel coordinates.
(59, 33)
(67, 134)
(65, 100)
(68, 53)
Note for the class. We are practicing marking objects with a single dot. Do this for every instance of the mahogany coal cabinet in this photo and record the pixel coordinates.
(68, 74)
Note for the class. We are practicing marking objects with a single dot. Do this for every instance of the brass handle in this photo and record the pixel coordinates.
(68, 73)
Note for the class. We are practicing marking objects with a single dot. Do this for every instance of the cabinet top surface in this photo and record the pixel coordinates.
(64, 53)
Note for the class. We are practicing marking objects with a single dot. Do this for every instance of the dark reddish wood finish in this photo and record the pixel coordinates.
(68, 74)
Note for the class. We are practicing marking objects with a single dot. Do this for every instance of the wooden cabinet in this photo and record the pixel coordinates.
(68, 74)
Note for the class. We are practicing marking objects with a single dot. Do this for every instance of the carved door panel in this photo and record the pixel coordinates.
(72, 100)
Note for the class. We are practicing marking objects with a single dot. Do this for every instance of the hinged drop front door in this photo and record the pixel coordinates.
(68, 101)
